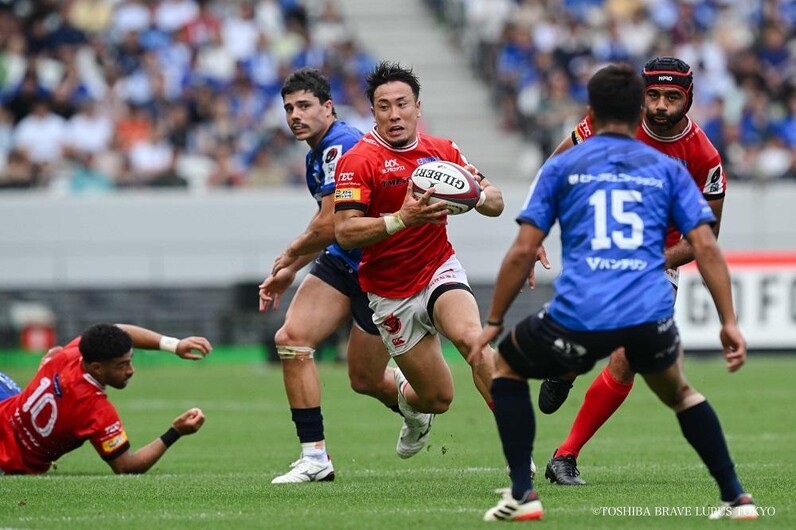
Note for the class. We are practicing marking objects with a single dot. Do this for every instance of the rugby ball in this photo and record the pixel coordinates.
(453, 185)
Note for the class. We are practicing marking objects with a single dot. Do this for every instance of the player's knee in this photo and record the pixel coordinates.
(688, 398)
(681, 398)
(294, 352)
(363, 383)
(437, 403)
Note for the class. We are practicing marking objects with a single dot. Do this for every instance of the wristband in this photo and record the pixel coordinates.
(169, 437)
(169, 343)
(481, 199)
(393, 223)
(496, 323)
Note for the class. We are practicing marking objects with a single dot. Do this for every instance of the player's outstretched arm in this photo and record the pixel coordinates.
(142, 460)
(713, 269)
(514, 271)
(318, 235)
(193, 348)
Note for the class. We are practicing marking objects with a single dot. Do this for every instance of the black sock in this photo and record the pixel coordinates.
(309, 424)
(516, 425)
(702, 429)
(395, 409)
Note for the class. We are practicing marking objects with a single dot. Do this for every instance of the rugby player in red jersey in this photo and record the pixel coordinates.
(669, 93)
(415, 284)
(65, 403)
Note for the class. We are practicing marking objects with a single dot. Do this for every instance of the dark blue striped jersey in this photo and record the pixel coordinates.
(321, 163)
(614, 198)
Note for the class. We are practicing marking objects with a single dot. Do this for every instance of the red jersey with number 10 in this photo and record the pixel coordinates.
(372, 177)
(692, 148)
(62, 407)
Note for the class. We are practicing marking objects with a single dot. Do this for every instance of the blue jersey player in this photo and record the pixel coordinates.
(330, 294)
(614, 198)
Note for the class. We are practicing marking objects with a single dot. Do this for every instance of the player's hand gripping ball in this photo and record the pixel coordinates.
(454, 185)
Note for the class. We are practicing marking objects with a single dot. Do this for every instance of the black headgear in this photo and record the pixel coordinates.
(670, 72)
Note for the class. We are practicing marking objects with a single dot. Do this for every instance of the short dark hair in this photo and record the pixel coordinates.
(309, 79)
(103, 342)
(616, 94)
(387, 72)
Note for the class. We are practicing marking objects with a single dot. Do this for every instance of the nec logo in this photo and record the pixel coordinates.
(665, 78)
(345, 177)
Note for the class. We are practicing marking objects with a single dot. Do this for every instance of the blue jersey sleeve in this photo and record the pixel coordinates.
(540, 208)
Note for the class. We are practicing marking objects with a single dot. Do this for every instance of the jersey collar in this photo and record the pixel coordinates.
(384, 143)
(658, 138)
(87, 376)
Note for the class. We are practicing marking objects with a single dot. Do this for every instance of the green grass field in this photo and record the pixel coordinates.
(641, 472)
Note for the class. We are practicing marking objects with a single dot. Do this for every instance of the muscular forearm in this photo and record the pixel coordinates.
(493, 204)
(140, 461)
(142, 337)
(513, 272)
(361, 231)
(679, 254)
(714, 271)
(311, 242)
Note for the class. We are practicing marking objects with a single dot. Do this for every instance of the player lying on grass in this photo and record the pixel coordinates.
(65, 403)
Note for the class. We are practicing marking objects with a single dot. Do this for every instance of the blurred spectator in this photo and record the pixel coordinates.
(89, 131)
(41, 136)
(19, 172)
(86, 178)
(266, 170)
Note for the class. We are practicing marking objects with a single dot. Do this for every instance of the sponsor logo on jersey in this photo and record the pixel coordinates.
(346, 194)
(331, 154)
(110, 445)
(394, 182)
(426, 160)
(392, 324)
(392, 165)
(713, 183)
(597, 263)
(57, 385)
(346, 176)
(113, 427)
(369, 140)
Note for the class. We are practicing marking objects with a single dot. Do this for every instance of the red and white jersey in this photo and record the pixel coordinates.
(691, 148)
(372, 177)
(62, 407)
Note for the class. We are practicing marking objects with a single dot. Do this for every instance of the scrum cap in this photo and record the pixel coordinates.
(670, 72)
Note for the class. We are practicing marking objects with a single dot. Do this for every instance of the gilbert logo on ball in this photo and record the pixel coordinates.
(453, 185)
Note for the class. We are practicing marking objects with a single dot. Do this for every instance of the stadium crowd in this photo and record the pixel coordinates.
(100, 94)
(104, 94)
(537, 56)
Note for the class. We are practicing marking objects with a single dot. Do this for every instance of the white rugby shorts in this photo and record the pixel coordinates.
(403, 322)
